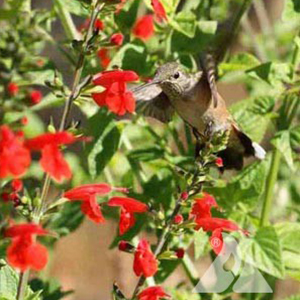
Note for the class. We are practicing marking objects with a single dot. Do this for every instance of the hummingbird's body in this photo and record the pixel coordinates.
(194, 97)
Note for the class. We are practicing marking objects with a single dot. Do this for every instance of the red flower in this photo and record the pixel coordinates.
(178, 219)
(144, 27)
(12, 89)
(128, 206)
(35, 97)
(115, 97)
(145, 264)
(87, 194)
(216, 241)
(152, 293)
(159, 10)
(104, 57)
(202, 206)
(14, 157)
(211, 224)
(219, 162)
(117, 39)
(52, 160)
(17, 185)
(24, 252)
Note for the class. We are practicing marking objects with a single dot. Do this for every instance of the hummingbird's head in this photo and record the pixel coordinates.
(173, 80)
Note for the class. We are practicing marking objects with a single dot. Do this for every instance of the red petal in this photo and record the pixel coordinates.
(153, 293)
(107, 78)
(129, 204)
(210, 224)
(129, 102)
(14, 157)
(54, 164)
(202, 206)
(144, 27)
(37, 256)
(24, 253)
(81, 192)
(127, 220)
(145, 262)
(17, 185)
(159, 10)
(24, 229)
(100, 98)
(59, 138)
(92, 210)
(216, 241)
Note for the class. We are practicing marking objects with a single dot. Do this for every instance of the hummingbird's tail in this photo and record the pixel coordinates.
(239, 146)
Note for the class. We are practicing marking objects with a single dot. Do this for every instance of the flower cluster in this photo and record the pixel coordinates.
(144, 26)
(201, 212)
(116, 96)
(15, 153)
(88, 195)
(24, 252)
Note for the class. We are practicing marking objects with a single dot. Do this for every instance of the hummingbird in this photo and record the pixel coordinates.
(195, 98)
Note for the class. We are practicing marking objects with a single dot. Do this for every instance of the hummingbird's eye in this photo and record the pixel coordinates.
(176, 75)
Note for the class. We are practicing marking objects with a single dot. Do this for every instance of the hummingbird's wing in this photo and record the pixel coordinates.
(208, 65)
(151, 101)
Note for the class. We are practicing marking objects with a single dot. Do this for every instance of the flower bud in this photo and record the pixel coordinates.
(180, 253)
(126, 247)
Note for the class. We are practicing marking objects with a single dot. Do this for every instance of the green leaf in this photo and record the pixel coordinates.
(8, 282)
(289, 235)
(239, 62)
(147, 154)
(250, 112)
(205, 32)
(49, 101)
(35, 125)
(282, 142)
(106, 137)
(160, 188)
(7, 14)
(67, 219)
(263, 251)
(132, 53)
(127, 15)
(50, 290)
(166, 267)
(75, 7)
(272, 73)
(291, 10)
(245, 188)
(295, 136)
(200, 242)
(185, 23)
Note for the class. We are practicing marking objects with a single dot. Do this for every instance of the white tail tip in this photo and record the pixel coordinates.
(259, 151)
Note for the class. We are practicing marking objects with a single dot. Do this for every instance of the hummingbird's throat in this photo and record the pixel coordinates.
(172, 90)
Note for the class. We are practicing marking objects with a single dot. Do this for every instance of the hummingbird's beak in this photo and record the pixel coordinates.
(145, 85)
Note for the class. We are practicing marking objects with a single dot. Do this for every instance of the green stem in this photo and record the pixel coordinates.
(74, 93)
(190, 269)
(26, 6)
(22, 285)
(270, 184)
(66, 20)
